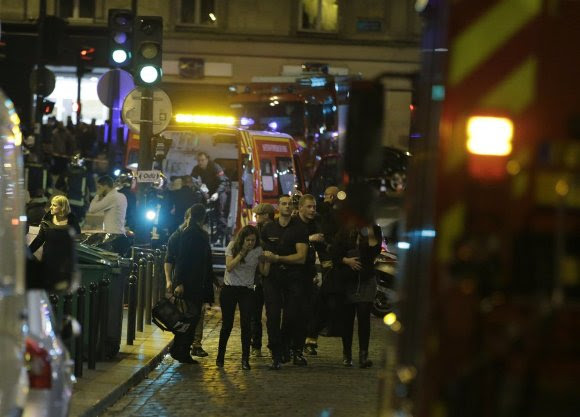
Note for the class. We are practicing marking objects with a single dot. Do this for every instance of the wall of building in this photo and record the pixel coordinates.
(259, 37)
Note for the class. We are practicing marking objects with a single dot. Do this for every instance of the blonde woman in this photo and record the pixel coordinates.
(59, 217)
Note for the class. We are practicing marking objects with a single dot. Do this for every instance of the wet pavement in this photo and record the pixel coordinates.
(323, 388)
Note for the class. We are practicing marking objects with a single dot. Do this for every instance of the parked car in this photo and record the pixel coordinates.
(36, 375)
(50, 367)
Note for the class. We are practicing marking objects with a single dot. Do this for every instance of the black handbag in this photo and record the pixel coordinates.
(172, 314)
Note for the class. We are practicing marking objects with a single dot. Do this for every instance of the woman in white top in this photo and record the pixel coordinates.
(242, 258)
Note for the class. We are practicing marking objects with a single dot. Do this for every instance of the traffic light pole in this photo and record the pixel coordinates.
(145, 159)
(39, 98)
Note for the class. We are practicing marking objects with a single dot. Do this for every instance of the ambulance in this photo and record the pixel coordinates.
(261, 165)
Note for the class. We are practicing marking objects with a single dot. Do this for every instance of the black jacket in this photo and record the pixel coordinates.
(190, 252)
(213, 177)
(47, 228)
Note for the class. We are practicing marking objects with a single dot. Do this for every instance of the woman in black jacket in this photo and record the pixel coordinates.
(57, 219)
(354, 255)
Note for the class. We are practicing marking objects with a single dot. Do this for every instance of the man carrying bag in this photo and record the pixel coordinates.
(189, 275)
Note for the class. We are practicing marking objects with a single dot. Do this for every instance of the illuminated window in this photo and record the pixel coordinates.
(198, 12)
(76, 9)
(319, 15)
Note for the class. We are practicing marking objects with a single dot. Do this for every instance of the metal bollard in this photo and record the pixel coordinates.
(67, 306)
(103, 316)
(132, 309)
(79, 342)
(156, 276)
(141, 294)
(148, 288)
(93, 324)
(53, 298)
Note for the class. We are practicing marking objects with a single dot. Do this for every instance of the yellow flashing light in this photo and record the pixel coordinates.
(489, 135)
(204, 119)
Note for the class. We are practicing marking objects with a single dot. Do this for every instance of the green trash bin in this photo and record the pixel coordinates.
(95, 265)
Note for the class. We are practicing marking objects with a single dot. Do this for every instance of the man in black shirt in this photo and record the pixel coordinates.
(214, 177)
(189, 272)
(286, 247)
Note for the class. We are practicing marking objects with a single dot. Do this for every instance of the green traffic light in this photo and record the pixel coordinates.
(149, 74)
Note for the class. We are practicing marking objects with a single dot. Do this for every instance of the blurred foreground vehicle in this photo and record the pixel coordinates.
(488, 324)
(50, 367)
(35, 366)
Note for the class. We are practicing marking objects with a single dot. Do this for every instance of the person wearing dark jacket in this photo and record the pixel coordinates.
(214, 177)
(58, 218)
(189, 273)
(354, 255)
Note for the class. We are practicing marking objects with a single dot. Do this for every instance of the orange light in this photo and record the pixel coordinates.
(488, 135)
(411, 107)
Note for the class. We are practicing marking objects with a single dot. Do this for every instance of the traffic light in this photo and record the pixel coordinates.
(87, 54)
(147, 50)
(120, 37)
(47, 107)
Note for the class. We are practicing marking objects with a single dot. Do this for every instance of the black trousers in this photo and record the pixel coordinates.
(284, 292)
(182, 341)
(256, 322)
(363, 315)
(231, 296)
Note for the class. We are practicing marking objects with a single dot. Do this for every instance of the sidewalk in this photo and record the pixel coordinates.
(100, 388)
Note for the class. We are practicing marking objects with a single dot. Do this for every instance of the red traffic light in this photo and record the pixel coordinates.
(47, 107)
(87, 54)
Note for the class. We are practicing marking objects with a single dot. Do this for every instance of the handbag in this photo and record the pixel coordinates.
(172, 314)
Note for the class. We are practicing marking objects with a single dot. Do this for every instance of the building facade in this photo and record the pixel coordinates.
(210, 45)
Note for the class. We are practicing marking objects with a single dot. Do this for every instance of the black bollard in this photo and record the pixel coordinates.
(132, 309)
(67, 308)
(103, 317)
(93, 324)
(156, 276)
(79, 342)
(67, 304)
(141, 294)
(148, 288)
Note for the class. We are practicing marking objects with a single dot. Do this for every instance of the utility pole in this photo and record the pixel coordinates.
(39, 70)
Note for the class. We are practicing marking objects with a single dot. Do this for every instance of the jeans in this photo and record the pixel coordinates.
(231, 296)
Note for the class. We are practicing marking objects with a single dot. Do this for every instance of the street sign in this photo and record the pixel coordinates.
(113, 86)
(42, 81)
(148, 176)
(131, 112)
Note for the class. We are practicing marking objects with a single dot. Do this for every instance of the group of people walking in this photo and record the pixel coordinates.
(273, 264)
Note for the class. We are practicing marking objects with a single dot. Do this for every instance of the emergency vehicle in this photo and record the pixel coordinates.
(310, 106)
(260, 165)
(489, 322)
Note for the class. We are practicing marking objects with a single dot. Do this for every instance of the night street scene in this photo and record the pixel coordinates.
(311, 208)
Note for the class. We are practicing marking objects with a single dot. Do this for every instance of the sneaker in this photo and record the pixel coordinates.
(198, 351)
(310, 349)
(257, 352)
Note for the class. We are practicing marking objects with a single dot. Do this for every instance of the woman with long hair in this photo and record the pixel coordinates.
(242, 258)
(354, 254)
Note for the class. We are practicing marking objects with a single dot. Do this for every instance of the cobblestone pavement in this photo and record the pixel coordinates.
(324, 388)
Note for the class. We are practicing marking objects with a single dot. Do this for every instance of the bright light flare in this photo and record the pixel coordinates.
(205, 119)
(489, 135)
(150, 215)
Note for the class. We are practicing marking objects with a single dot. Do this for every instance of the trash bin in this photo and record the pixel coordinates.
(96, 264)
